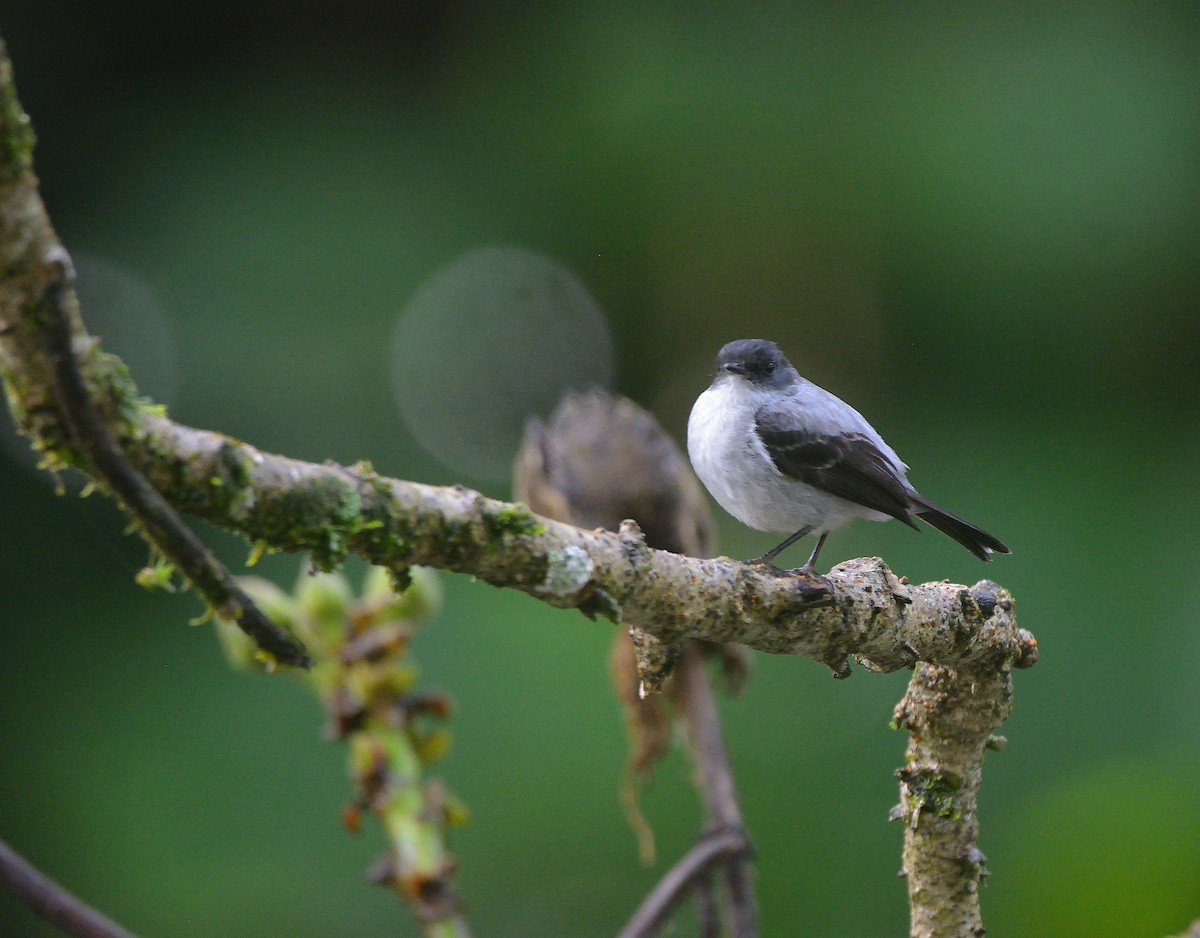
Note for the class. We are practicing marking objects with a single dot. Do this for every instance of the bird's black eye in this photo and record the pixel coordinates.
(768, 368)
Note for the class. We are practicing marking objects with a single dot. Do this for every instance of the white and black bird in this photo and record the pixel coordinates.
(781, 454)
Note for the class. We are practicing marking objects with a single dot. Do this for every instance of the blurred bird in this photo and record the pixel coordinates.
(781, 454)
(599, 460)
(602, 459)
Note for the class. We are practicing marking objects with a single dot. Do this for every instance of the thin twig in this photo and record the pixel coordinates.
(708, 910)
(714, 779)
(51, 901)
(159, 522)
(657, 907)
(708, 913)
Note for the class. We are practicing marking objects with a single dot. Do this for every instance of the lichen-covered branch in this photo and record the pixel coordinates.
(332, 511)
(951, 715)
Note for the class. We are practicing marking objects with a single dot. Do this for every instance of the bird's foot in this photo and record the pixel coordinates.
(805, 571)
(814, 582)
(766, 562)
(814, 589)
(812, 585)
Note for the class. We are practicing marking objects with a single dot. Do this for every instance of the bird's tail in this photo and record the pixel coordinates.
(974, 539)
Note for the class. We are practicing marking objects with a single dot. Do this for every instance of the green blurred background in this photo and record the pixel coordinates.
(977, 222)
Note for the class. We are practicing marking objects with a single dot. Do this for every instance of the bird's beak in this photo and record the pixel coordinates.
(734, 368)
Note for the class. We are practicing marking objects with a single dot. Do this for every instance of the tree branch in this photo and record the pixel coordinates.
(950, 715)
(716, 785)
(673, 887)
(51, 901)
(332, 511)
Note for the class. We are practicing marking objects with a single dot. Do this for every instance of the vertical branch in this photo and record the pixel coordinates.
(950, 715)
(715, 783)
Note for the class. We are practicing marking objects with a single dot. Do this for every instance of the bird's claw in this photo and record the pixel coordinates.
(814, 588)
(765, 562)
(808, 573)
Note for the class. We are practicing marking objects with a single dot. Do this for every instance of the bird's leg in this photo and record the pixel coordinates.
(815, 589)
(768, 559)
(809, 565)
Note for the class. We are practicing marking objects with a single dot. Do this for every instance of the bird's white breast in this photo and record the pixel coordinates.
(734, 466)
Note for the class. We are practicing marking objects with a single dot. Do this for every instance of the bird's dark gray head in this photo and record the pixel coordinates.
(758, 361)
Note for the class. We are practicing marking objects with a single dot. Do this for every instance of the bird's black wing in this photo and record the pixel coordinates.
(849, 466)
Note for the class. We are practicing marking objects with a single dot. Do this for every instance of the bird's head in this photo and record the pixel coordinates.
(757, 361)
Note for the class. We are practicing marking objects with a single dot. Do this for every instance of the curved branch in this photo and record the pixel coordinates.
(885, 622)
(673, 887)
(332, 511)
(158, 522)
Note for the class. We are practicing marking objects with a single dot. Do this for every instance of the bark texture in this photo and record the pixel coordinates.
(950, 715)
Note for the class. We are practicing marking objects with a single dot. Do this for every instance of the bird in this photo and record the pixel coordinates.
(601, 459)
(781, 454)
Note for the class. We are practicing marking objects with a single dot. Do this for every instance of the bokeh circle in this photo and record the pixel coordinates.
(497, 335)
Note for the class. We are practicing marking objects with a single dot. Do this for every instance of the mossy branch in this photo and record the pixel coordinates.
(950, 715)
(333, 511)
